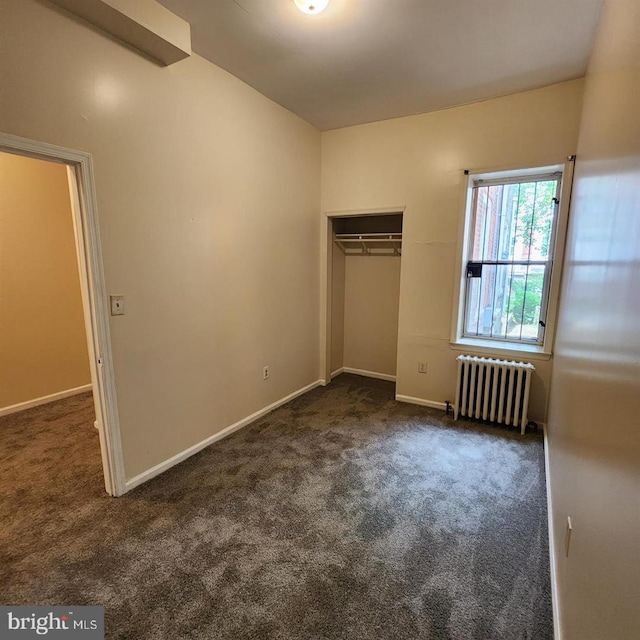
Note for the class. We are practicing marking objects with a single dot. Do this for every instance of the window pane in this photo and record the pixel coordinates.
(505, 302)
(497, 217)
(481, 316)
(492, 230)
(534, 220)
(542, 220)
(488, 298)
(524, 215)
(501, 301)
(482, 211)
(514, 221)
(508, 220)
(525, 302)
(472, 307)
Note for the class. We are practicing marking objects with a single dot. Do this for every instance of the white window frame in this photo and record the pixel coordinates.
(493, 346)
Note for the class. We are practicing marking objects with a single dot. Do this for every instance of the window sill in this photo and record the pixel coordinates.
(496, 348)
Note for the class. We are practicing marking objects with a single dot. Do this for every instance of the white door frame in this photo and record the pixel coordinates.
(94, 295)
(326, 274)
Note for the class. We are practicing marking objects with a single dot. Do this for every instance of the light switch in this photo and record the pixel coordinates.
(117, 305)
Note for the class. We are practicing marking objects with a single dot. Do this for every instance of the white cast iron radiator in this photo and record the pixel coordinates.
(494, 390)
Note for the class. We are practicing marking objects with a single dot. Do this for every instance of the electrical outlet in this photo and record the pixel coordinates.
(567, 536)
(117, 305)
(422, 367)
(265, 372)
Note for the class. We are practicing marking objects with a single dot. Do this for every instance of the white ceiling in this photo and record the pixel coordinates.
(366, 60)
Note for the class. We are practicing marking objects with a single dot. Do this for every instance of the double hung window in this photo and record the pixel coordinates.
(511, 229)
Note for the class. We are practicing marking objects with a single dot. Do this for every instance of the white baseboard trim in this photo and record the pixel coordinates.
(368, 374)
(423, 403)
(337, 372)
(187, 453)
(36, 402)
(555, 604)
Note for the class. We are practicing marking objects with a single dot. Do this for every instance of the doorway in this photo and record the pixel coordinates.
(360, 320)
(65, 346)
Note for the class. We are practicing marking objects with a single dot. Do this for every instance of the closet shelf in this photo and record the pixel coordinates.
(369, 244)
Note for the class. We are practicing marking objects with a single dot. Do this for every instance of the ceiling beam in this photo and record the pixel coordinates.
(143, 24)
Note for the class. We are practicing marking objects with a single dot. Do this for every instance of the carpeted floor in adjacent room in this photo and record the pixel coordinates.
(341, 516)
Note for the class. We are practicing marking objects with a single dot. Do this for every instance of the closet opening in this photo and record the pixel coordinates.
(364, 258)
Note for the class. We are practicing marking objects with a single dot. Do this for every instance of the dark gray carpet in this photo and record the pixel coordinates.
(343, 515)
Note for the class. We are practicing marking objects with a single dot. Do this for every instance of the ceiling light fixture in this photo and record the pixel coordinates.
(311, 6)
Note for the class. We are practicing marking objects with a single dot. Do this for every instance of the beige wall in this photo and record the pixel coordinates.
(594, 428)
(337, 308)
(418, 161)
(43, 345)
(208, 199)
(372, 293)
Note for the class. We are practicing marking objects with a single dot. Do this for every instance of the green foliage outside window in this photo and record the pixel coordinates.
(526, 298)
(533, 231)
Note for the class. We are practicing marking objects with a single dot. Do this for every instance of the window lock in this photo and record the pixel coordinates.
(474, 270)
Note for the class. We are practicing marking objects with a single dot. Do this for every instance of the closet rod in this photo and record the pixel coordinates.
(368, 242)
(358, 240)
(395, 236)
